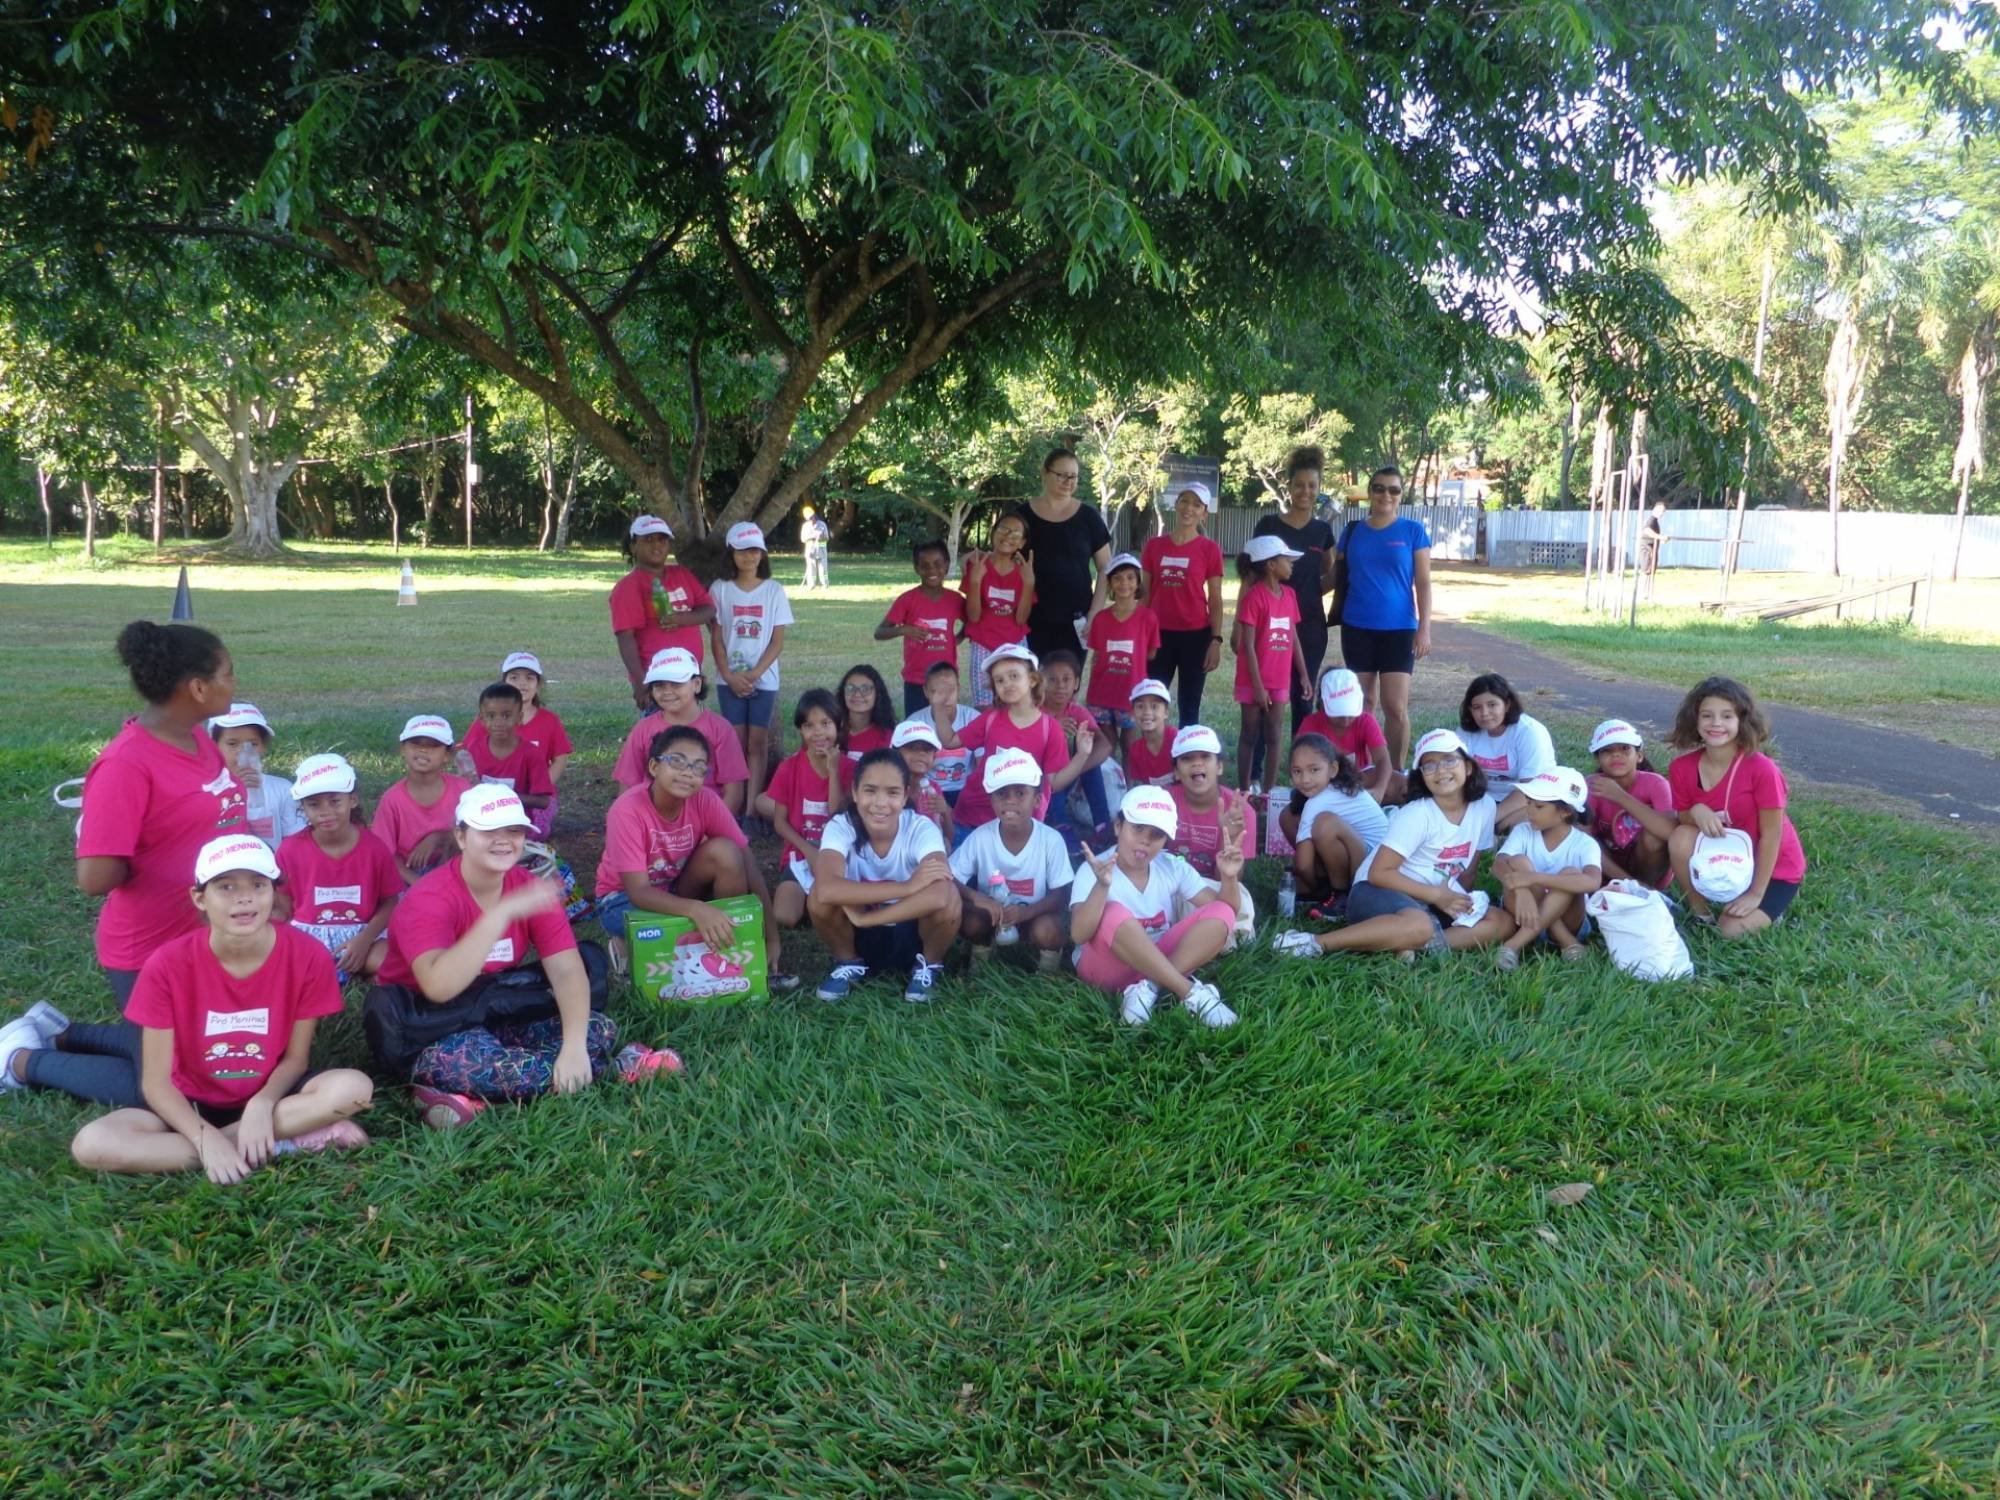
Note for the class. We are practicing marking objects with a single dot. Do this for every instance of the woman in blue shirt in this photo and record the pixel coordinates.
(1385, 608)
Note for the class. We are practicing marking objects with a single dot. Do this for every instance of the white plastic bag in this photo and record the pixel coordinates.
(1639, 931)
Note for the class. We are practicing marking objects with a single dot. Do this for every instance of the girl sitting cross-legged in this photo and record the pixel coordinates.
(1547, 866)
(1333, 824)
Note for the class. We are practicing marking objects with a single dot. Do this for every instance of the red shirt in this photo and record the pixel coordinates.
(1147, 767)
(153, 806)
(639, 837)
(522, 769)
(329, 890)
(1200, 834)
(402, 823)
(1617, 830)
(805, 796)
(230, 1033)
(1270, 623)
(439, 910)
(992, 732)
(545, 730)
(725, 754)
(859, 745)
(940, 618)
(1358, 742)
(1119, 651)
(999, 595)
(632, 609)
(1757, 784)
(1177, 580)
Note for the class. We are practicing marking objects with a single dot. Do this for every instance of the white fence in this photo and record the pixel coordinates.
(1454, 529)
(1872, 544)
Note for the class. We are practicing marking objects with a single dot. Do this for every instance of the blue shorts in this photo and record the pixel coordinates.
(612, 909)
(754, 711)
(1366, 901)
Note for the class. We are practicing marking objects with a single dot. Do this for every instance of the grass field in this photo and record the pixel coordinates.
(1001, 1245)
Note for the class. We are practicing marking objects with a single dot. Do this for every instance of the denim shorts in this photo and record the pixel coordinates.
(1366, 901)
(755, 710)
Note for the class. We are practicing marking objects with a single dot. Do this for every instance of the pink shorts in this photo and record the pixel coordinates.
(1099, 966)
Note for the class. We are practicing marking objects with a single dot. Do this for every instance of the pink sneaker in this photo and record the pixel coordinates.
(341, 1135)
(444, 1111)
(636, 1064)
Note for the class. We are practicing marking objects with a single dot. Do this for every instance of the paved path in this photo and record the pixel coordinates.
(1942, 780)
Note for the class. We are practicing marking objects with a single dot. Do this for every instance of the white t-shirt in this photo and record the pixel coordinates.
(916, 836)
(1577, 851)
(283, 816)
(746, 618)
(1519, 751)
(1357, 810)
(951, 767)
(1172, 884)
(1435, 850)
(1030, 875)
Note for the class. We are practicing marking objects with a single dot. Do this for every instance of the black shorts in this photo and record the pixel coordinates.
(893, 948)
(1378, 650)
(1778, 898)
(220, 1115)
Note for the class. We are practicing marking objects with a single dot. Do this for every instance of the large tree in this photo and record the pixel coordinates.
(618, 206)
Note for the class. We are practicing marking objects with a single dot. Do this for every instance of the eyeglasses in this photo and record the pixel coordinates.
(858, 689)
(1385, 489)
(1070, 474)
(678, 762)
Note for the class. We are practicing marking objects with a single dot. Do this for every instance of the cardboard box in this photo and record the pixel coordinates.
(671, 962)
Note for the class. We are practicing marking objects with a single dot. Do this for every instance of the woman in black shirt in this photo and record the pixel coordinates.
(1301, 529)
(1066, 541)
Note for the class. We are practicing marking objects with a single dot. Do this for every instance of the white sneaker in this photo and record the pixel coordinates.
(1292, 944)
(18, 1035)
(49, 1021)
(1006, 937)
(1204, 1003)
(1049, 961)
(1140, 998)
(621, 958)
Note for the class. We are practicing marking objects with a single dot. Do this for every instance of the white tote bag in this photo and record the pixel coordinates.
(1639, 931)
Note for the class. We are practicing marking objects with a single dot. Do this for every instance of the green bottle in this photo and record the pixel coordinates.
(663, 607)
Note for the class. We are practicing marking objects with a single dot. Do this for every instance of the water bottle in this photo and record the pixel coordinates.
(662, 605)
(1288, 896)
(996, 887)
(256, 805)
(463, 764)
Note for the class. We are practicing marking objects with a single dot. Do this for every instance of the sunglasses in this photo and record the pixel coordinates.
(1385, 489)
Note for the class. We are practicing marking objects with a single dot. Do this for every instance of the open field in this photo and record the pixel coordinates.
(1001, 1244)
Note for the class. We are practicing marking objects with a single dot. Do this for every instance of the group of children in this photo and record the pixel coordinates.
(1096, 830)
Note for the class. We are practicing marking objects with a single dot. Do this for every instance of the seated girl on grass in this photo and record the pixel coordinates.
(1546, 867)
(341, 882)
(805, 791)
(1631, 807)
(1334, 825)
(675, 681)
(415, 817)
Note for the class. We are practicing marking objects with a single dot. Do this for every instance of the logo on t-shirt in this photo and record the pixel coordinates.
(1119, 655)
(1173, 572)
(501, 952)
(1000, 596)
(1456, 859)
(222, 1022)
(1020, 887)
(1155, 923)
(329, 895)
(937, 632)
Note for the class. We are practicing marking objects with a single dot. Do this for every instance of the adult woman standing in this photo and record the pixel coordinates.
(1300, 528)
(656, 605)
(1387, 561)
(158, 792)
(1066, 540)
(1183, 571)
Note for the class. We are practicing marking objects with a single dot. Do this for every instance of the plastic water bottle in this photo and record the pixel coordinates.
(996, 887)
(256, 805)
(1288, 896)
(662, 605)
(463, 764)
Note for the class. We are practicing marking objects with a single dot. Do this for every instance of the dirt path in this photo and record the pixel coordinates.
(1905, 769)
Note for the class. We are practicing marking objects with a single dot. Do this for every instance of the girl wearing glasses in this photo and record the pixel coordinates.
(1383, 577)
(1067, 540)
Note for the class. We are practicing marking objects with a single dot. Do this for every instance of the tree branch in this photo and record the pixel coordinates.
(746, 283)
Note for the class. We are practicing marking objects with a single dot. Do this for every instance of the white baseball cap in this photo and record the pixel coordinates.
(489, 806)
(1122, 560)
(1615, 732)
(523, 661)
(1151, 806)
(674, 664)
(1557, 784)
(1723, 865)
(1439, 742)
(1340, 693)
(322, 773)
(1015, 652)
(1197, 489)
(744, 535)
(914, 732)
(1011, 767)
(650, 526)
(1151, 687)
(426, 727)
(234, 851)
(1264, 548)
(239, 716)
(1195, 739)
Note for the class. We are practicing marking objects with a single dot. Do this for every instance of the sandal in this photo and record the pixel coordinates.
(1506, 960)
(1575, 953)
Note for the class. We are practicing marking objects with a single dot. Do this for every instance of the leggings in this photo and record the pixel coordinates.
(1097, 965)
(1184, 652)
(509, 1062)
(98, 1063)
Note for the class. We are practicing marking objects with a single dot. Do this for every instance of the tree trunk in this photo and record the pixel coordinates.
(1570, 429)
(1975, 368)
(89, 522)
(430, 481)
(48, 517)
(187, 516)
(1732, 549)
(568, 506)
(160, 479)
(252, 478)
(1845, 385)
(548, 468)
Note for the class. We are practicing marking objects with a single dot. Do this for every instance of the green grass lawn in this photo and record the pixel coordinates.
(1001, 1245)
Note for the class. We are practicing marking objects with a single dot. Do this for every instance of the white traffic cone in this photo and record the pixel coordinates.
(406, 591)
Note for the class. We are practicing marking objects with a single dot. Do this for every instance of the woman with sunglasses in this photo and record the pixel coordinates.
(1382, 564)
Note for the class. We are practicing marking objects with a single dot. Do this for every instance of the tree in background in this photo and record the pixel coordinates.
(1262, 431)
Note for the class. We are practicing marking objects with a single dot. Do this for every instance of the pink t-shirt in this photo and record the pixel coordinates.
(1358, 742)
(545, 730)
(1615, 828)
(1119, 651)
(153, 806)
(1270, 622)
(402, 824)
(327, 890)
(632, 609)
(439, 910)
(999, 596)
(1177, 575)
(523, 769)
(1145, 766)
(230, 1033)
(805, 796)
(725, 755)
(859, 745)
(1756, 785)
(992, 732)
(1200, 834)
(940, 618)
(639, 837)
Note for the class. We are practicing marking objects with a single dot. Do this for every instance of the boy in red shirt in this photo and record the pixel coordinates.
(928, 619)
(506, 757)
(656, 605)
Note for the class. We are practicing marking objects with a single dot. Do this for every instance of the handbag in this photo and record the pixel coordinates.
(1340, 574)
(400, 1022)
